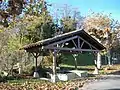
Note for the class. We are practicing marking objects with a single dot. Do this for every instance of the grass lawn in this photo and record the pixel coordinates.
(105, 69)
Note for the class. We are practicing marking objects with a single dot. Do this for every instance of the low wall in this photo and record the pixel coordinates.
(74, 74)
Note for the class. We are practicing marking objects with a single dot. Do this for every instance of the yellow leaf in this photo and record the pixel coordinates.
(1, 30)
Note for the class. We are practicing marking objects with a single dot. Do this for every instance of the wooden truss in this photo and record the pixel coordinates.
(78, 45)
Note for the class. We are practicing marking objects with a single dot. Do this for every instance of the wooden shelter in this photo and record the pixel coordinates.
(77, 41)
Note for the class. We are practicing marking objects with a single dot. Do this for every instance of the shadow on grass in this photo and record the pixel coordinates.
(65, 69)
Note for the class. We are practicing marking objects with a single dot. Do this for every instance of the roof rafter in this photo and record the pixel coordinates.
(70, 49)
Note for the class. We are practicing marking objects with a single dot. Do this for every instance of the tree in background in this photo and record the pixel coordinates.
(25, 25)
(70, 19)
(67, 18)
(104, 28)
(9, 10)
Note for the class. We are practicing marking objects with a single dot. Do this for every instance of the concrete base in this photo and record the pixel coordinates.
(74, 74)
(35, 75)
(54, 78)
(79, 73)
(66, 77)
(99, 66)
(96, 71)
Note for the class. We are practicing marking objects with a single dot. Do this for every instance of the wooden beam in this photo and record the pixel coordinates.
(62, 45)
(36, 64)
(82, 44)
(96, 71)
(54, 65)
(63, 41)
(36, 55)
(87, 42)
(54, 61)
(70, 49)
(74, 43)
(78, 43)
(75, 59)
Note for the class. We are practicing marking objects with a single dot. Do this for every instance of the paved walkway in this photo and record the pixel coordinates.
(111, 82)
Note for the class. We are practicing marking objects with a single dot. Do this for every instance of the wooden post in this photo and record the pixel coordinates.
(41, 59)
(98, 60)
(96, 71)
(19, 68)
(36, 63)
(36, 73)
(54, 66)
(76, 63)
(75, 58)
(109, 57)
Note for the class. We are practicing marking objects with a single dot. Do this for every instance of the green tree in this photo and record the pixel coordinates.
(34, 24)
(39, 28)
